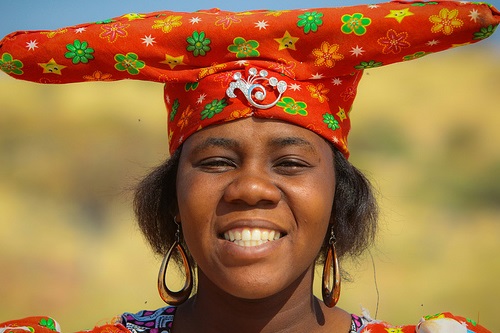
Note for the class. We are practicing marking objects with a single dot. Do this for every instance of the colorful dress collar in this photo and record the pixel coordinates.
(162, 320)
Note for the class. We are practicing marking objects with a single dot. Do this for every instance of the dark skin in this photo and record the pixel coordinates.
(259, 175)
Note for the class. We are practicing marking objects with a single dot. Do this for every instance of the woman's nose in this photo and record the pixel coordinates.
(253, 189)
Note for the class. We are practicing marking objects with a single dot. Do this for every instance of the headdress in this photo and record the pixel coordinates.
(300, 66)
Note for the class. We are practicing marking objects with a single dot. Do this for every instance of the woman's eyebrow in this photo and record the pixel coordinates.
(292, 141)
(216, 142)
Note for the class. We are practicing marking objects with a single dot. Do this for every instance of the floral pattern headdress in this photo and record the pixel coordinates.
(299, 66)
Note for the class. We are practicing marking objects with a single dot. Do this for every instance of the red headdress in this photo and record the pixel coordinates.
(299, 66)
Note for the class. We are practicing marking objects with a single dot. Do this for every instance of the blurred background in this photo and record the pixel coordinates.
(425, 132)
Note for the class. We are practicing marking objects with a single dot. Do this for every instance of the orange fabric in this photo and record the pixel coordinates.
(444, 322)
(41, 324)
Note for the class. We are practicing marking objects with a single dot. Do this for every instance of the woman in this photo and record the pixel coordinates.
(250, 175)
(255, 174)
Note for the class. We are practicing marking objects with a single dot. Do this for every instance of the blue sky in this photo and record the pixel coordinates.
(53, 14)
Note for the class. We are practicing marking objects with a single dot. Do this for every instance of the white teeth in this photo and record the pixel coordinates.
(251, 237)
(246, 235)
(256, 234)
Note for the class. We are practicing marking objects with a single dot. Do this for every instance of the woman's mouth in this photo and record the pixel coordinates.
(251, 236)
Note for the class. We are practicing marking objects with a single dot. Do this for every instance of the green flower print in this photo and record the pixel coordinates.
(10, 65)
(198, 44)
(79, 52)
(105, 21)
(175, 108)
(292, 107)
(422, 4)
(129, 62)
(310, 21)
(244, 48)
(415, 55)
(473, 322)
(485, 32)
(191, 86)
(369, 64)
(355, 23)
(212, 108)
(330, 120)
(49, 323)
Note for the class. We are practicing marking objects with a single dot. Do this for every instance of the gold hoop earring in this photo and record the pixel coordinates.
(331, 296)
(175, 297)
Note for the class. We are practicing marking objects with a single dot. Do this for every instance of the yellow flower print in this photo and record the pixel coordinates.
(134, 16)
(327, 55)
(211, 70)
(394, 330)
(276, 13)
(318, 92)
(53, 33)
(168, 24)
(435, 316)
(446, 21)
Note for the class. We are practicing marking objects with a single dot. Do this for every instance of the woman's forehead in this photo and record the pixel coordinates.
(256, 132)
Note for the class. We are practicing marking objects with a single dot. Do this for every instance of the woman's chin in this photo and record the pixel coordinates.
(256, 282)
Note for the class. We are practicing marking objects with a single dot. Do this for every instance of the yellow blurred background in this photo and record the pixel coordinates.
(425, 132)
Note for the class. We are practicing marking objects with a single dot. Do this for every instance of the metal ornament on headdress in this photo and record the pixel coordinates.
(248, 86)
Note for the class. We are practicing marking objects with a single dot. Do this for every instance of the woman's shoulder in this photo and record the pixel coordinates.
(43, 324)
(443, 322)
(140, 322)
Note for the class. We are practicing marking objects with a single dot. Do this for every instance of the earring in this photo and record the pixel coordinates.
(169, 296)
(331, 296)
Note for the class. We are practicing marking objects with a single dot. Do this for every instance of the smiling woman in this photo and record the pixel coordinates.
(252, 194)
(258, 188)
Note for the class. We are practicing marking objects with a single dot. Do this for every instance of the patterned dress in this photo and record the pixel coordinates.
(161, 321)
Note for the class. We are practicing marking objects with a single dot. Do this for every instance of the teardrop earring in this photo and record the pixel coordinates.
(169, 296)
(331, 296)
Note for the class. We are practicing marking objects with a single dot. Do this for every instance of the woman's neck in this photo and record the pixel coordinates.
(294, 309)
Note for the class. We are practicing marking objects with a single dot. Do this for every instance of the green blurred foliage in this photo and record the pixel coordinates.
(425, 132)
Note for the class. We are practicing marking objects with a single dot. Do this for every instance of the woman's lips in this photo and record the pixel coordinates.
(248, 237)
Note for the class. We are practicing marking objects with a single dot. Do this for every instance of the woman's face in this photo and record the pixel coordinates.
(255, 198)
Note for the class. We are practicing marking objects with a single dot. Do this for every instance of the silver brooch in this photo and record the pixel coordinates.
(248, 87)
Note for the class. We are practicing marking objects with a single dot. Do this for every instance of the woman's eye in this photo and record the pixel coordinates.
(291, 166)
(216, 164)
